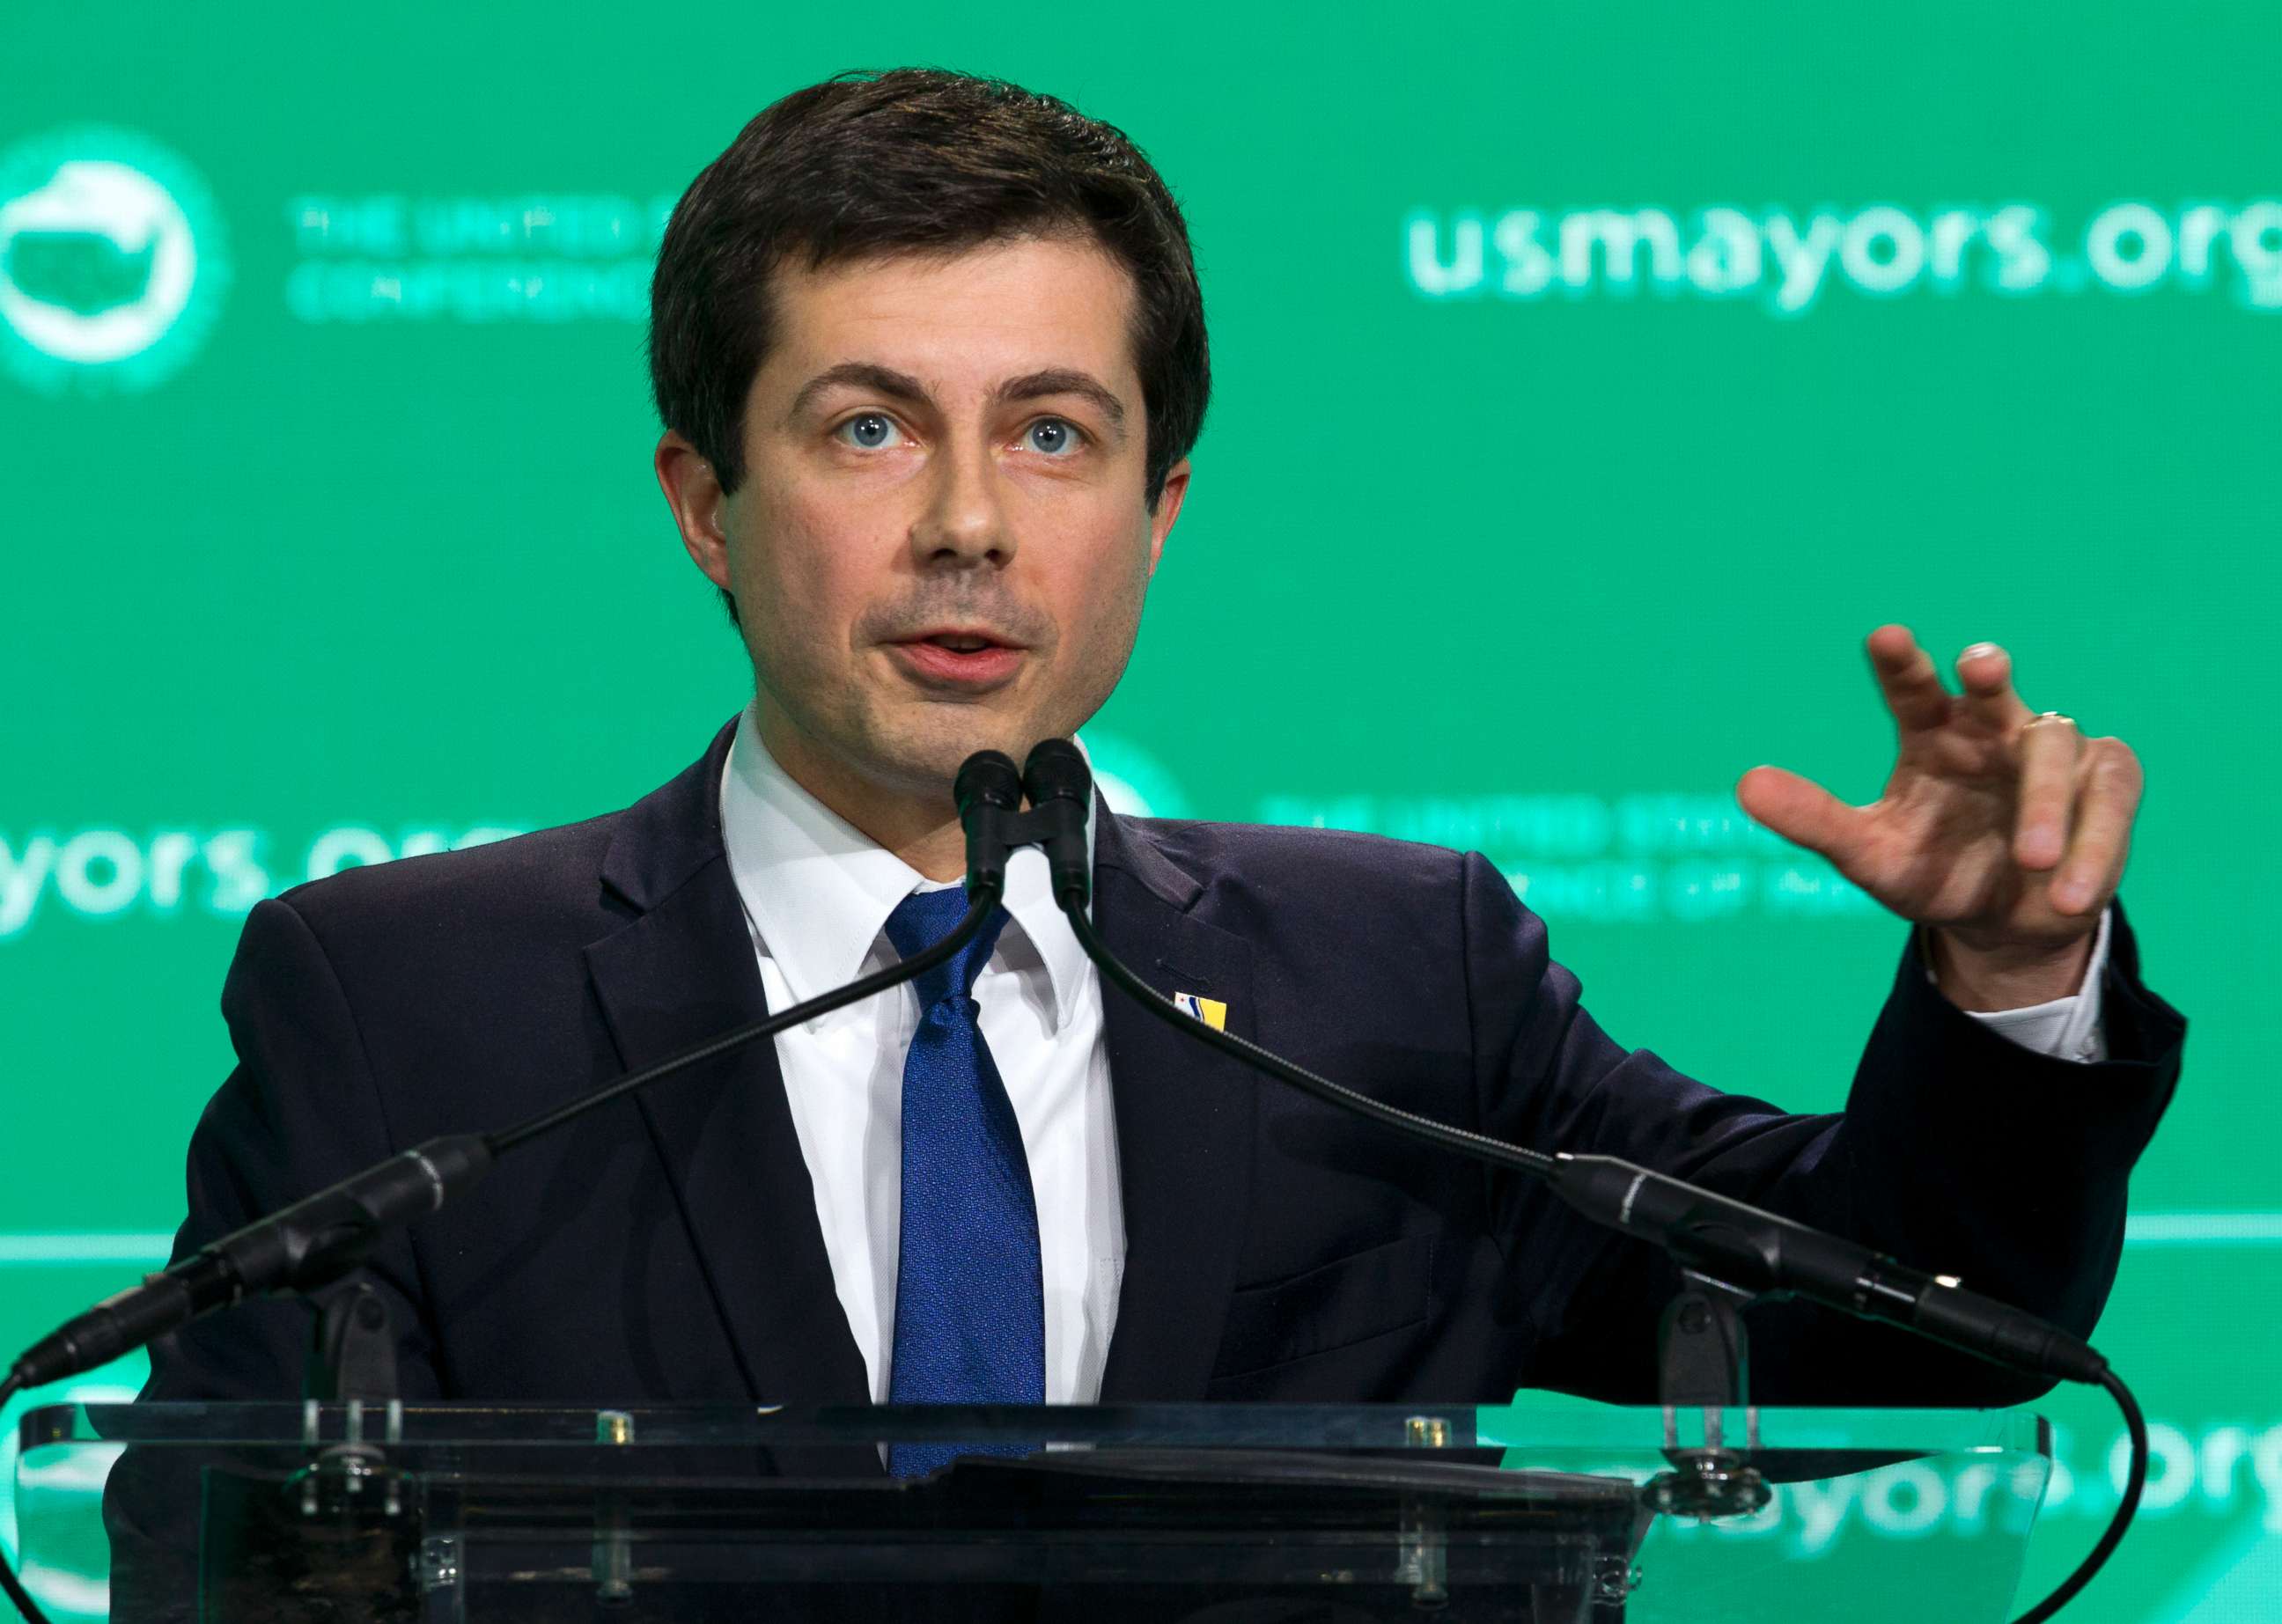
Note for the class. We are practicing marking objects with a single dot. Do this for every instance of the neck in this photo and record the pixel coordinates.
(921, 828)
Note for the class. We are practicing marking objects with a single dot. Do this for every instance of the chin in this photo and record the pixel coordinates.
(931, 759)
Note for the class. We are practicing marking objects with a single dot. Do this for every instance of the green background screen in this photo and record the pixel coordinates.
(1590, 381)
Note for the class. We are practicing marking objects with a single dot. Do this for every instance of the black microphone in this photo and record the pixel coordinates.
(1725, 1239)
(1763, 1253)
(322, 1237)
(989, 792)
(1060, 787)
(1731, 1242)
(313, 1242)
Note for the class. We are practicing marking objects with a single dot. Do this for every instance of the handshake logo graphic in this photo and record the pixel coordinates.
(113, 262)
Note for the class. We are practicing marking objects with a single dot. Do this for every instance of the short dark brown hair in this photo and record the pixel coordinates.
(911, 160)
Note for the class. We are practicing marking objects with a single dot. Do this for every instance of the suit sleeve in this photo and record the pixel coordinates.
(299, 1112)
(1959, 1150)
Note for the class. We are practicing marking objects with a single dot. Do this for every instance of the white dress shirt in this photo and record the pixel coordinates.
(2068, 1028)
(817, 895)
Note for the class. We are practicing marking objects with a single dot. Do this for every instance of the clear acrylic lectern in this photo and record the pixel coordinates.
(1549, 1509)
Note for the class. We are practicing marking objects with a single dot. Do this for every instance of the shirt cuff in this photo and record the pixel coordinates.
(2066, 1028)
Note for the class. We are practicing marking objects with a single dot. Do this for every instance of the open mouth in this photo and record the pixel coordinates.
(957, 657)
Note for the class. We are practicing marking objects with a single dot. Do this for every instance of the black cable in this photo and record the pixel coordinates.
(2135, 1424)
(1498, 1152)
(981, 900)
(2135, 1480)
(9, 1583)
(1479, 1146)
(323, 1236)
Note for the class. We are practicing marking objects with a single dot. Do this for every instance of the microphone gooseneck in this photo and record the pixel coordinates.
(1728, 1241)
(1462, 1141)
(320, 1239)
(323, 1237)
(1724, 1239)
(980, 900)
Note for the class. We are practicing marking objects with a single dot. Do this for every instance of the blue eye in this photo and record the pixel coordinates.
(1059, 436)
(871, 431)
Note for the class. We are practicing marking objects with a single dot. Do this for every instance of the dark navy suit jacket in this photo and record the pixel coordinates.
(666, 1249)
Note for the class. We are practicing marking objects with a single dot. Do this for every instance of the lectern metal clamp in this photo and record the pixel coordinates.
(1704, 1363)
(614, 1547)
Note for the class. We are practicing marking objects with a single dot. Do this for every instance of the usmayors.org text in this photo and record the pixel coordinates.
(1788, 260)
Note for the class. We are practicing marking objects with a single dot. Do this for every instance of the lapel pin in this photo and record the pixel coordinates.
(1211, 1011)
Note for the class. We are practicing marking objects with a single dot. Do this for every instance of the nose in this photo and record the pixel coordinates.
(963, 525)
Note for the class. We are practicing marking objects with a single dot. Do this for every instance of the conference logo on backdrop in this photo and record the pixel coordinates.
(112, 262)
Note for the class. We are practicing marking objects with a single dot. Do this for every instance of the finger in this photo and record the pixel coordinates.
(2113, 786)
(1801, 811)
(1985, 672)
(2046, 751)
(1906, 676)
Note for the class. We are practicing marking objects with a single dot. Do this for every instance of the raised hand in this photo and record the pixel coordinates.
(2003, 831)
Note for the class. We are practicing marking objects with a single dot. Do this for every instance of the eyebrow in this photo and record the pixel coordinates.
(902, 386)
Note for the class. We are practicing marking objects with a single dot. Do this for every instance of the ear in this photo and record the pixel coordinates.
(1168, 509)
(694, 492)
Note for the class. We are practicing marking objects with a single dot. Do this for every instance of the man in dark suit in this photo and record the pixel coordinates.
(931, 358)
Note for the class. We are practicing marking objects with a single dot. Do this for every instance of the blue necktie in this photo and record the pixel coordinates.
(970, 1301)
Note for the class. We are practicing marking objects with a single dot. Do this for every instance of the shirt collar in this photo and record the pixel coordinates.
(818, 890)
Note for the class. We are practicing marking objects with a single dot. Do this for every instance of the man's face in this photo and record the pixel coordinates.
(940, 545)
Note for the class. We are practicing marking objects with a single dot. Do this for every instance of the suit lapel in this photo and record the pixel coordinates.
(682, 970)
(1186, 1121)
